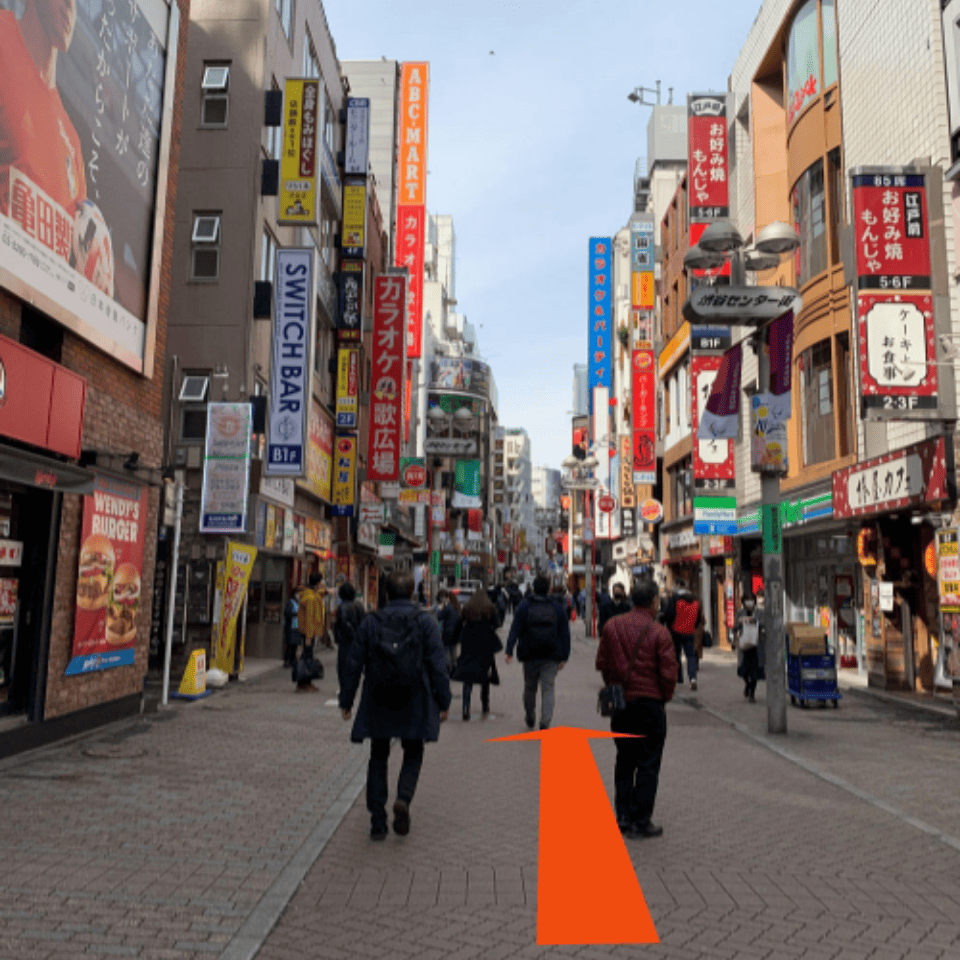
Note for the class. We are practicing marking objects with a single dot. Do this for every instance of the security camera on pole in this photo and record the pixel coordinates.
(755, 306)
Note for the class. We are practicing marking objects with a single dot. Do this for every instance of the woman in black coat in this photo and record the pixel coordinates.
(477, 635)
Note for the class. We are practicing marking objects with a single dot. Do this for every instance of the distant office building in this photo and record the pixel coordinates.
(581, 390)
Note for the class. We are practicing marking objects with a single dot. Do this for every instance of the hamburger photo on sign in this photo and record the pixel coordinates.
(95, 577)
(109, 571)
(124, 605)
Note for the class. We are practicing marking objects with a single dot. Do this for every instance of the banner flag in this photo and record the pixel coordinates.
(720, 419)
(781, 354)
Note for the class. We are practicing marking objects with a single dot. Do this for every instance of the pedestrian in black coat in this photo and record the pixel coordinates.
(346, 626)
(613, 607)
(477, 636)
(415, 722)
(448, 616)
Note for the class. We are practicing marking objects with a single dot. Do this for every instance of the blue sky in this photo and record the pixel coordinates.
(532, 151)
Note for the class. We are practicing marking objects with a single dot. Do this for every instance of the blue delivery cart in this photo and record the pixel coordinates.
(811, 668)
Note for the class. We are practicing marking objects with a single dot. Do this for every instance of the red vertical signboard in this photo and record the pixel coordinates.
(410, 237)
(387, 380)
(897, 335)
(707, 188)
(644, 417)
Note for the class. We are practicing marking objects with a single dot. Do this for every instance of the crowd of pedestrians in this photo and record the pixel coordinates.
(395, 665)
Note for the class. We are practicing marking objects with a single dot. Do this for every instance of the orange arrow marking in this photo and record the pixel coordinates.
(587, 891)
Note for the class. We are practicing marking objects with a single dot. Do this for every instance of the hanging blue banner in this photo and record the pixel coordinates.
(600, 346)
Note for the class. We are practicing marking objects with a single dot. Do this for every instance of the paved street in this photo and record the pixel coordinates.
(188, 834)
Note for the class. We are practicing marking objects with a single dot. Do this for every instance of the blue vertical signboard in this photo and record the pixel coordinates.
(599, 352)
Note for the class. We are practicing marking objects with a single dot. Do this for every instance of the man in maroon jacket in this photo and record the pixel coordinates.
(647, 689)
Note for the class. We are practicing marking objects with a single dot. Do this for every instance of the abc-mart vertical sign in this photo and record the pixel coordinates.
(290, 376)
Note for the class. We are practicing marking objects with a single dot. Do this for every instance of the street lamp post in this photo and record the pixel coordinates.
(719, 242)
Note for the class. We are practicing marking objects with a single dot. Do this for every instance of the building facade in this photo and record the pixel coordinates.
(86, 271)
(806, 122)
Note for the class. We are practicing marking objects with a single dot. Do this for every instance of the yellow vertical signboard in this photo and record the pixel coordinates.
(344, 475)
(354, 215)
(298, 163)
(239, 565)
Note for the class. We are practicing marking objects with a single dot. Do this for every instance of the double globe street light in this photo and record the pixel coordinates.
(719, 243)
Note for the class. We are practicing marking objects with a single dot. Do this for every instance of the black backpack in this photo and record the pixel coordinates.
(396, 660)
(538, 638)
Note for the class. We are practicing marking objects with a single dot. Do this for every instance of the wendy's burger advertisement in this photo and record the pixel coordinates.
(108, 576)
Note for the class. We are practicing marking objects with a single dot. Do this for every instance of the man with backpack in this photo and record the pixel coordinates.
(406, 694)
(540, 633)
(683, 618)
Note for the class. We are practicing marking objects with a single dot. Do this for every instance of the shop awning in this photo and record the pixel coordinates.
(35, 470)
(689, 558)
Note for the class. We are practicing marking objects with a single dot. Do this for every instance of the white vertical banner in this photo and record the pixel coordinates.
(290, 376)
(226, 468)
(357, 144)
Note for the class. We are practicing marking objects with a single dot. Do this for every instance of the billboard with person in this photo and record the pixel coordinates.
(82, 88)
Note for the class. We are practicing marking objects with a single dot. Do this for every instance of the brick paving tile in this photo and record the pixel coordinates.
(775, 848)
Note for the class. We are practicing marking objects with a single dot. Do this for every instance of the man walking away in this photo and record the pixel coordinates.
(683, 617)
(346, 626)
(406, 694)
(448, 616)
(617, 605)
(637, 651)
(541, 634)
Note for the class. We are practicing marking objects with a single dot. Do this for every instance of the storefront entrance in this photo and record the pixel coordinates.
(27, 522)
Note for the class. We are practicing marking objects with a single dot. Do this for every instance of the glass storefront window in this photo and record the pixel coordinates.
(829, 14)
(803, 60)
(816, 389)
(809, 219)
(835, 186)
(844, 380)
(683, 489)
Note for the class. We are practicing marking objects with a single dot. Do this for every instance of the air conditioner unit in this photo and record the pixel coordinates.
(619, 551)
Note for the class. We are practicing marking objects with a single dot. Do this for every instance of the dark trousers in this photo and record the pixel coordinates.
(683, 643)
(750, 671)
(377, 777)
(636, 773)
(484, 696)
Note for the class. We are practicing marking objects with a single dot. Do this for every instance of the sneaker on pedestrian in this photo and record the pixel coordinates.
(378, 833)
(531, 722)
(544, 726)
(648, 829)
(401, 818)
(753, 699)
(693, 684)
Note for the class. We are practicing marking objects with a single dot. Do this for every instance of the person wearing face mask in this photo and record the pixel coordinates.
(748, 630)
(613, 607)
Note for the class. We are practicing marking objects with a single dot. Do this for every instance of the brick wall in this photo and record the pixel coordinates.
(123, 414)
